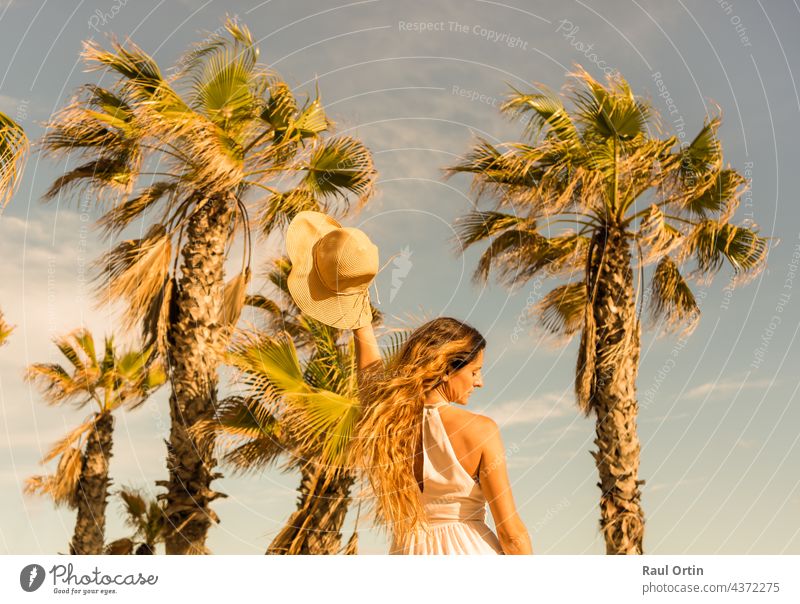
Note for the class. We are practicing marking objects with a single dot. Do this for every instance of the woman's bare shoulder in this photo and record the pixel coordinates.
(472, 423)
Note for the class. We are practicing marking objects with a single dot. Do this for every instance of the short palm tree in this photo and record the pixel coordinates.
(196, 144)
(111, 382)
(146, 517)
(300, 412)
(13, 148)
(591, 189)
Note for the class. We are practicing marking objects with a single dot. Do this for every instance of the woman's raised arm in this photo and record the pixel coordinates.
(367, 351)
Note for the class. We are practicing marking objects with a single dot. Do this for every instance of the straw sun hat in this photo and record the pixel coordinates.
(332, 267)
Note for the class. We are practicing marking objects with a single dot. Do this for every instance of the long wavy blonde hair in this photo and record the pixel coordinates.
(389, 430)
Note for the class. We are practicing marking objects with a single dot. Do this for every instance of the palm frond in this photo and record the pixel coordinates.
(266, 364)
(609, 111)
(97, 118)
(5, 329)
(280, 110)
(101, 127)
(135, 507)
(657, 235)
(136, 270)
(135, 377)
(145, 516)
(234, 297)
(711, 243)
(113, 172)
(396, 340)
(721, 198)
(330, 365)
(477, 226)
(671, 297)
(340, 167)
(57, 385)
(263, 303)
(68, 441)
(544, 111)
(222, 90)
(157, 318)
(562, 311)
(109, 362)
(85, 343)
(278, 275)
(319, 422)
(240, 39)
(280, 208)
(312, 120)
(121, 216)
(704, 153)
(517, 255)
(502, 251)
(251, 456)
(13, 149)
(500, 171)
(483, 156)
(61, 486)
(142, 78)
(246, 431)
(323, 422)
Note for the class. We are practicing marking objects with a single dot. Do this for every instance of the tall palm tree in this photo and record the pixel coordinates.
(114, 381)
(146, 517)
(591, 189)
(299, 412)
(13, 149)
(196, 144)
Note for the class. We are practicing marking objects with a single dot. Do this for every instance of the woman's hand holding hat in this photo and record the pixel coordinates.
(332, 268)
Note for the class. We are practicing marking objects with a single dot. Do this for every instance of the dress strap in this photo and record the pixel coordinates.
(435, 405)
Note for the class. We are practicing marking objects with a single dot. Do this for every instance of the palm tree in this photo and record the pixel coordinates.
(586, 192)
(146, 516)
(197, 143)
(13, 149)
(301, 413)
(81, 480)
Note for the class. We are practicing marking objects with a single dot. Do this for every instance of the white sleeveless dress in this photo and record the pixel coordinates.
(454, 504)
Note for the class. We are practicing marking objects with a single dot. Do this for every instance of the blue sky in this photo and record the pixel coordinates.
(417, 81)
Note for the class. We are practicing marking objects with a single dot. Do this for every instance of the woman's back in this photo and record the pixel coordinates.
(454, 504)
(466, 432)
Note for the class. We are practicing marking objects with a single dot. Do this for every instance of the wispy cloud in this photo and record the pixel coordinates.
(726, 387)
(527, 411)
(663, 418)
(660, 486)
(523, 461)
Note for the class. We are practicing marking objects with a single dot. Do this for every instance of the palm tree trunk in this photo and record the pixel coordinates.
(609, 361)
(196, 344)
(316, 526)
(92, 489)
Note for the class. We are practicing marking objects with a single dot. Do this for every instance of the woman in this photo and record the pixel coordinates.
(432, 464)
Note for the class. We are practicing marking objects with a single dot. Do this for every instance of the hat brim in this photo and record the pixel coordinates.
(343, 311)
